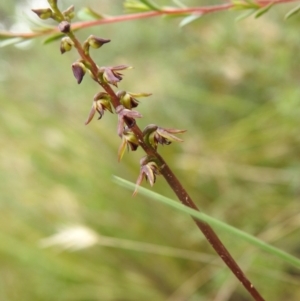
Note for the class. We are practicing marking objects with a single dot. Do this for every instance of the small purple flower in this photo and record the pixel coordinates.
(111, 75)
(129, 141)
(128, 99)
(149, 170)
(126, 116)
(155, 135)
(101, 103)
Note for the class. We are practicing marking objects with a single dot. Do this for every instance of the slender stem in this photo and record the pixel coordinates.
(209, 233)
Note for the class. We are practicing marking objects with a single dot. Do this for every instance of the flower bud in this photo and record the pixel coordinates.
(97, 42)
(155, 135)
(148, 170)
(78, 69)
(111, 75)
(43, 13)
(128, 99)
(64, 26)
(101, 103)
(69, 13)
(65, 45)
(94, 42)
(126, 116)
(129, 140)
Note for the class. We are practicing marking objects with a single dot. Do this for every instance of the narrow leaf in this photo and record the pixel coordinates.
(251, 2)
(135, 6)
(189, 19)
(263, 10)
(179, 3)
(53, 38)
(214, 222)
(151, 4)
(87, 14)
(245, 15)
(292, 12)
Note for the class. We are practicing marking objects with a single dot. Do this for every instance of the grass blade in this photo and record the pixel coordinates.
(214, 222)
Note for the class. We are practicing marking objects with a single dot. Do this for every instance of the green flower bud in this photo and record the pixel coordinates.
(155, 135)
(43, 13)
(94, 42)
(69, 13)
(128, 99)
(97, 42)
(65, 44)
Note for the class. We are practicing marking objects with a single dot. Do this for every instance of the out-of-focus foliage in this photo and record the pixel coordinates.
(233, 86)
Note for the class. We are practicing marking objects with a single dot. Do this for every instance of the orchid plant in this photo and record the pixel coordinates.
(124, 103)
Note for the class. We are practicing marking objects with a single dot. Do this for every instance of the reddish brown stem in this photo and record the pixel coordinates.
(209, 233)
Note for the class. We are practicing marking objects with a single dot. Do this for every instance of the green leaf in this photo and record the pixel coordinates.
(135, 6)
(251, 2)
(151, 4)
(179, 3)
(241, 5)
(212, 221)
(87, 14)
(263, 10)
(292, 12)
(189, 19)
(53, 38)
(245, 15)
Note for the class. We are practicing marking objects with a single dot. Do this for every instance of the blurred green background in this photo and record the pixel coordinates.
(234, 86)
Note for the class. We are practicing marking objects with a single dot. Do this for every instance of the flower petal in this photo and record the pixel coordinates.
(91, 115)
(138, 182)
(166, 134)
(120, 67)
(122, 149)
